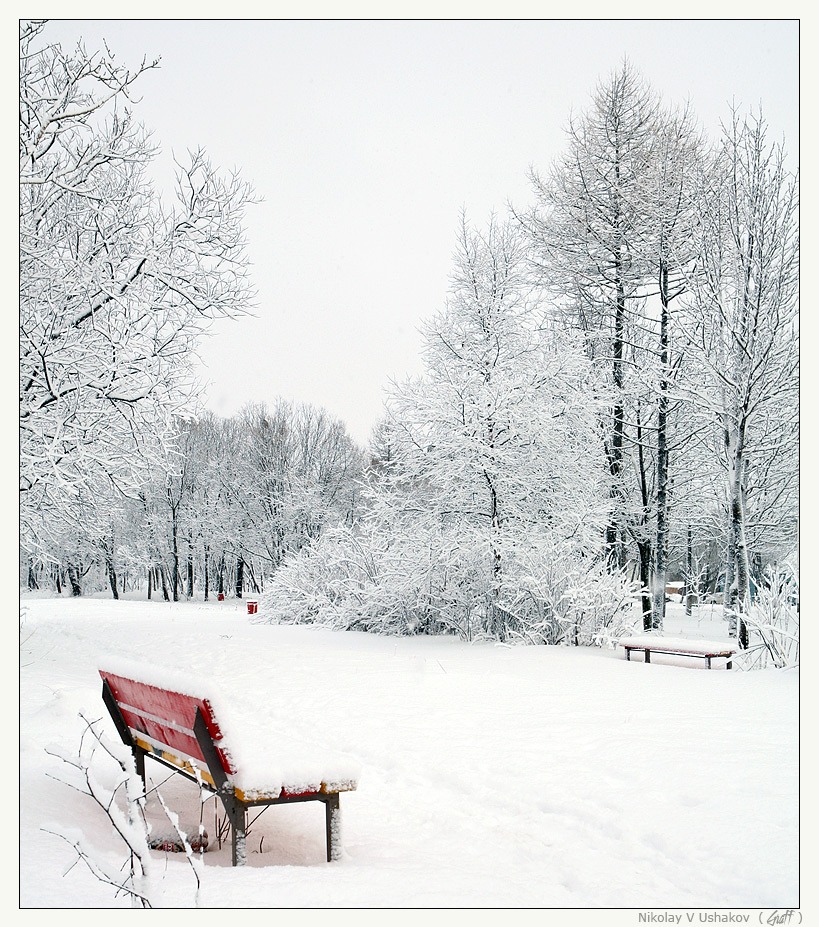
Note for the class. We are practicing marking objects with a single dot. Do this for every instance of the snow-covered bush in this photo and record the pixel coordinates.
(570, 599)
(427, 580)
(773, 621)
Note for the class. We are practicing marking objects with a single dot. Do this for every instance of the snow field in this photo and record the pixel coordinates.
(490, 776)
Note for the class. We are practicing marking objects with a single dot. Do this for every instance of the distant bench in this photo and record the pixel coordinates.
(182, 732)
(678, 646)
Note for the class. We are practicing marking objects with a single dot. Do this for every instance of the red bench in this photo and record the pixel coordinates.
(678, 646)
(182, 731)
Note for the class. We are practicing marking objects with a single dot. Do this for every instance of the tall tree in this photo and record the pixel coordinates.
(589, 227)
(671, 249)
(743, 326)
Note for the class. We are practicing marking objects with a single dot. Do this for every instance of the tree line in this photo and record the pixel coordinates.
(610, 390)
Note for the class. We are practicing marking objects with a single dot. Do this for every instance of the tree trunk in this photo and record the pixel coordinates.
(74, 580)
(175, 554)
(614, 537)
(206, 577)
(254, 585)
(741, 582)
(112, 575)
(32, 578)
(240, 576)
(737, 594)
(150, 582)
(221, 583)
(660, 543)
(58, 580)
(644, 553)
(190, 570)
(643, 544)
(164, 578)
(497, 621)
(689, 573)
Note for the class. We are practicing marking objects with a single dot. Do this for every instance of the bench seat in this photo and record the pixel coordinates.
(188, 726)
(678, 646)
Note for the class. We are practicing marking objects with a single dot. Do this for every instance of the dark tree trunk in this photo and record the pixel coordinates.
(689, 573)
(112, 575)
(741, 581)
(254, 585)
(643, 544)
(206, 577)
(175, 554)
(58, 582)
(221, 583)
(110, 569)
(164, 578)
(150, 581)
(660, 543)
(240, 576)
(190, 570)
(74, 580)
(614, 535)
(644, 553)
(737, 594)
(32, 578)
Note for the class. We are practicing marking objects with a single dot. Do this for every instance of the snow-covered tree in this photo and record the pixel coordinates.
(500, 429)
(671, 251)
(612, 229)
(742, 327)
(293, 471)
(115, 286)
(590, 228)
(487, 509)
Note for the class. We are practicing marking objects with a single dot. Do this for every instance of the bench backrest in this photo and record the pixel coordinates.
(162, 722)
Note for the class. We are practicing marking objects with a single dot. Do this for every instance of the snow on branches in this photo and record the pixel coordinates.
(115, 287)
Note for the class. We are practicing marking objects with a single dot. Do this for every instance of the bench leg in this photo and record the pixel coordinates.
(728, 665)
(239, 849)
(708, 662)
(332, 812)
(139, 762)
(647, 656)
(238, 824)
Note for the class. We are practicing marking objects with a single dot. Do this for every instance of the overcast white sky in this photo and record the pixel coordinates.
(366, 138)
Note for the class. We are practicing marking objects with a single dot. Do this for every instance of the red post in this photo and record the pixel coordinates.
(252, 607)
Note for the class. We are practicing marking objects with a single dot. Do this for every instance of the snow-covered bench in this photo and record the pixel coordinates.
(678, 646)
(185, 726)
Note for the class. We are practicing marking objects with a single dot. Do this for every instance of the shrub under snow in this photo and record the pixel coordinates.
(427, 580)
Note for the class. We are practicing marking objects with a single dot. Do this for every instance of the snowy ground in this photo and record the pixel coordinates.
(492, 777)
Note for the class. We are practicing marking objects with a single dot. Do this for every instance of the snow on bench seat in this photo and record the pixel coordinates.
(678, 646)
(186, 724)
